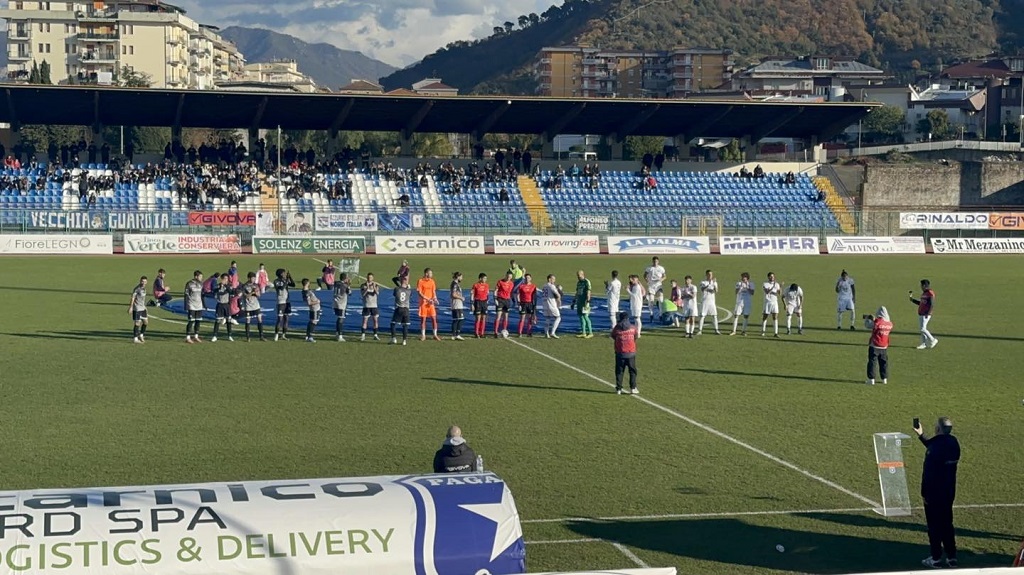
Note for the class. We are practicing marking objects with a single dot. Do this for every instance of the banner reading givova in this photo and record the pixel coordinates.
(396, 525)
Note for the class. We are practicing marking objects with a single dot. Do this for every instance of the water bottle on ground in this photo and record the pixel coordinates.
(479, 468)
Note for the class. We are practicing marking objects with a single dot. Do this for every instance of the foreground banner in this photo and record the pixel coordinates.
(310, 245)
(658, 245)
(99, 220)
(875, 245)
(64, 244)
(222, 219)
(181, 244)
(763, 245)
(335, 222)
(398, 525)
(547, 245)
(402, 245)
(1006, 221)
(944, 220)
(978, 245)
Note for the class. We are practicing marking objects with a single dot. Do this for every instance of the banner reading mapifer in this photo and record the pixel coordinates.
(415, 525)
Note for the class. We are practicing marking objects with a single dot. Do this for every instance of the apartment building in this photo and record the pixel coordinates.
(277, 76)
(587, 72)
(90, 42)
(1003, 76)
(817, 76)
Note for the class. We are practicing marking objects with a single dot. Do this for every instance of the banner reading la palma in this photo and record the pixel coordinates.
(415, 525)
(658, 245)
(181, 244)
(309, 245)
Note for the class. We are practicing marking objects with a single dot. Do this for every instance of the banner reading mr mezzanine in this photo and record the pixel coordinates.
(415, 525)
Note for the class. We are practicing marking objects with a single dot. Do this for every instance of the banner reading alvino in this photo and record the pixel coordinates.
(413, 525)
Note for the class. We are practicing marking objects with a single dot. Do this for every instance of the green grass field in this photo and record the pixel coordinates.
(82, 406)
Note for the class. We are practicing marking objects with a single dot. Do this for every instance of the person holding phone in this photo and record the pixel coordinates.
(924, 313)
(938, 488)
(878, 346)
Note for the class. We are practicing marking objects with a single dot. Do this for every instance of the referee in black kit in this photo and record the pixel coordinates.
(938, 488)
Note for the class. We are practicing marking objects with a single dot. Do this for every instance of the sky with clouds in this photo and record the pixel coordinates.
(398, 32)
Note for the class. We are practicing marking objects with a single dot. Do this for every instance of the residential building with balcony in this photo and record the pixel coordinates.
(1003, 77)
(817, 75)
(90, 42)
(277, 76)
(587, 72)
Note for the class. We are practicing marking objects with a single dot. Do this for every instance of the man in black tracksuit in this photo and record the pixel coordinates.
(938, 488)
(455, 455)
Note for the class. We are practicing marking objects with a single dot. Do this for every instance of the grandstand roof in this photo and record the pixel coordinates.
(78, 105)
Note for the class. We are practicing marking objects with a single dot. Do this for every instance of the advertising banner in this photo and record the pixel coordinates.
(181, 244)
(592, 223)
(63, 244)
(310, 245)
(944, 220)
(335, 222)
(547, 245)
(1006, 221)
(875, 245)
(99, 220)
(222, 219)
(402, 245)
(408, 525)
(658, 245)
(978, 245)
(764, 245)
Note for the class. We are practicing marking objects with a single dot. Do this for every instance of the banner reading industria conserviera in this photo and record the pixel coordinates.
(416, 525)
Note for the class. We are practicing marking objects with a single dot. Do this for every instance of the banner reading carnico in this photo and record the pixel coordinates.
(547, 244)
(398, 525)
(181, 244)
(401, 245)
(63, 244)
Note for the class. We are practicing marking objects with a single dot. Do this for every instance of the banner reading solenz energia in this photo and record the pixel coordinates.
(415, 525)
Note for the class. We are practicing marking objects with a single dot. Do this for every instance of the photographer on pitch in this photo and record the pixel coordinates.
(878, 345)
(938, 488)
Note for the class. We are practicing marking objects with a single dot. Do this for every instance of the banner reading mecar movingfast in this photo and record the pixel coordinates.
(401, 245)
(978, 245)
(762, 245)
(181, 244)
(412, 525)
(69, 244)
(547, 245)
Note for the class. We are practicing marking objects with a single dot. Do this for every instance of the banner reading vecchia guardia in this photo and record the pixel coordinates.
(764, 245)
(414, 525)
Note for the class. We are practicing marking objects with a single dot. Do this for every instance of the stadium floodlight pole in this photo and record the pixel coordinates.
(277, 184)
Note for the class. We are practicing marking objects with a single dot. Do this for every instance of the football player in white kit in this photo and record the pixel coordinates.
(846, 300)
(636, 302)
(654, 275)
(771, 289)
(794, 300)
(744, 302)
(708, 306)
(689, 308)
(613, 291)
(552, 306)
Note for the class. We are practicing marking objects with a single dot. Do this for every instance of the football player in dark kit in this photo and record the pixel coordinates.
(282, 281)
(938, 488)
(251, 309)
(402, 293)
(222, 294)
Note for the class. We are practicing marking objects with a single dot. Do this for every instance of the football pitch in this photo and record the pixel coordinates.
(736, 445)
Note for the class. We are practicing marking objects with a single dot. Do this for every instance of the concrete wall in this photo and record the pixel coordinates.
(993, 184)
(944, 186)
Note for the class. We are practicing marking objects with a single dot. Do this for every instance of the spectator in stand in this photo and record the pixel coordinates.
(758, 171)
(527, 161)
(659, 161)
(517, 159)
(790, 178)
(105, 153)
(503, 197)
(648, 160)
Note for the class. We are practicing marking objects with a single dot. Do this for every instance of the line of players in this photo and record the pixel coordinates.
(234, 301)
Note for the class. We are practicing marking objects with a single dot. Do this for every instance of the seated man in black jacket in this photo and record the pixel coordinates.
(455, 456)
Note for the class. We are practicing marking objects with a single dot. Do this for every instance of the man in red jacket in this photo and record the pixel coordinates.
(624, 335)
(878, 346)
(925, 306)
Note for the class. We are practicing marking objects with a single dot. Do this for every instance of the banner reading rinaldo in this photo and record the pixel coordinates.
(397, 525)
(309, 245)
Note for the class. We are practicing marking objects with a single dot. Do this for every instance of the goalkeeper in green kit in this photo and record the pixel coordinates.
(581, 303)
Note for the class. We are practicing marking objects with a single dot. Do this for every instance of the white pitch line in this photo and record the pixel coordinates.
(564, 541)
(709, 429)
(630, 555)
(967, 506)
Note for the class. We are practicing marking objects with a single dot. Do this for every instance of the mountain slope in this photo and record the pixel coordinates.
(328, 65)
(900, 36)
